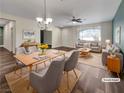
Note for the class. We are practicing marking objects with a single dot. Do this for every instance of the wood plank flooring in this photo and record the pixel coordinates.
(7, 65)
(89, 82)
(18, 84)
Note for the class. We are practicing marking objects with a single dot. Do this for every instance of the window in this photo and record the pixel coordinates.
(90, 34)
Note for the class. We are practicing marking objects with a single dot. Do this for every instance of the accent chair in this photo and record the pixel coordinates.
(70, 64)
(48, 80)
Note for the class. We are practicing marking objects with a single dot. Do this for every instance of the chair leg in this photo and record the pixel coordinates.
(67, 80)
(58, 90)
(21, 71)
(44, 64)
(75, 73)
(16, 72)
(28, 86)
(15, 69)
(36, 69)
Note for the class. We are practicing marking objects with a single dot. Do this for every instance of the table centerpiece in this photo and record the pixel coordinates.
(43, 47)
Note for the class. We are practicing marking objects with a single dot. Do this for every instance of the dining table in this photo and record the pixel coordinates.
(37, 58)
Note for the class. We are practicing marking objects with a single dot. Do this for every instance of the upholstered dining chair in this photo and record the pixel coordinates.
(20, 50)
(71, 63)
(32, 49)
(48, 80)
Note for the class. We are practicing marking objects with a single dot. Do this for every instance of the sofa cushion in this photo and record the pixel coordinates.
(94, 44)
(86, 45)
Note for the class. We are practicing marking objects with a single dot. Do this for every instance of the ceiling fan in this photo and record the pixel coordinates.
(77, 20)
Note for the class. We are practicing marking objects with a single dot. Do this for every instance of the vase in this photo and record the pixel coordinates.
(42, 52)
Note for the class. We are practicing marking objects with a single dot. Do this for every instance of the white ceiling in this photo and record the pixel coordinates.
(62, 10)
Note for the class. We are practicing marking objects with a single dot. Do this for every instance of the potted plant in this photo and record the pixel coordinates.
(42, 47)
(112, 52)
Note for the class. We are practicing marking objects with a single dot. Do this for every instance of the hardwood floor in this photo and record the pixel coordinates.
(89, 82)
(7, 65)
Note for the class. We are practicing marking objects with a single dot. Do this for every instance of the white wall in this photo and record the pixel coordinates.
(56, 36)
(27, 24)
(64, 37)
(106, 33)
(21, 25)
(70, 34)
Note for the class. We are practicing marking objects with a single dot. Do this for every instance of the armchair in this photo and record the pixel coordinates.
(95, 47)
(71, 63)
(49, 79)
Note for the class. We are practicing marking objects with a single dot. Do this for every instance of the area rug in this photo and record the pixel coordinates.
(19, 84)
(94, 59)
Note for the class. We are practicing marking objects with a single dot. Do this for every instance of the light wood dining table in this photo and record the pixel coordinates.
(34, 58)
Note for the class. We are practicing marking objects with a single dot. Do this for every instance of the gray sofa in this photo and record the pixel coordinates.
(95, 46)
(105, 53)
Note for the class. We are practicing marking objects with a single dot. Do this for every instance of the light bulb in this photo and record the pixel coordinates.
(39, 19)
(74, 22)
(49, 20)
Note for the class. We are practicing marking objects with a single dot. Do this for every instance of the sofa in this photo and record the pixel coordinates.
(95, 46)
(118, 53)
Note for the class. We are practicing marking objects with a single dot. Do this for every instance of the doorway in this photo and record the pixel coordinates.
(46, 37)
(7, 34)
(1, 36)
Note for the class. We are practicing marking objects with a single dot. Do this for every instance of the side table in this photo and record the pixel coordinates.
(113, 64)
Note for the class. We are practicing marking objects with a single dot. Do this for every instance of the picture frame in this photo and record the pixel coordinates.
(28, 34)
(118, 35)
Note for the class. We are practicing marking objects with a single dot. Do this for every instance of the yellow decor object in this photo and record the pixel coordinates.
(43, 47)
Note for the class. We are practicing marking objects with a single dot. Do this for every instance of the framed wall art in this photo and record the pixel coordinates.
(118, 35)
(28, 35)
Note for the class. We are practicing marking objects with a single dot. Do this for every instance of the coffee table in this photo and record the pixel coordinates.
(84, 52)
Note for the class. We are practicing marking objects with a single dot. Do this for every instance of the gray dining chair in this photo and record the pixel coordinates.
(70, 64)
(48, 80)
(20, 65)
(32, 49)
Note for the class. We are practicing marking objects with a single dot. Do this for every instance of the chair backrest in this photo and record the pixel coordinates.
(72, 61)
(20, 50)
(54, 75)
(32, 49)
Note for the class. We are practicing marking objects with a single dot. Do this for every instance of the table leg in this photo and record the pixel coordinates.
(30, 68)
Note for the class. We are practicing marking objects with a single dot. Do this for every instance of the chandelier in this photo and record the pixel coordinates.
(44, 22)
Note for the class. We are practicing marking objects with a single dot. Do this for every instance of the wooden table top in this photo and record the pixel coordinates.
(84, 49)
(32, 58)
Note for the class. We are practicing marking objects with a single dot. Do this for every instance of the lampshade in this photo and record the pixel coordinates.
(108, 41)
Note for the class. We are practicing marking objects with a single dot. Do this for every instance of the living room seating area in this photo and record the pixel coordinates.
(95, 46)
